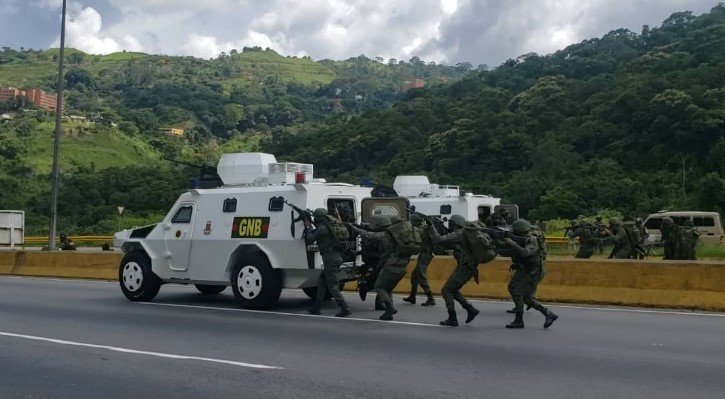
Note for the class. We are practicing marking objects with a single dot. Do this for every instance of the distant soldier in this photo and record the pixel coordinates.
(691, 237)
(642, 233)
(419, 274)
(393, 264)
(622, 246)
(331, 260)
(570, 238)
(588, 241)
(526, 256)
(465, 270)
(670, 233)
(600, 233)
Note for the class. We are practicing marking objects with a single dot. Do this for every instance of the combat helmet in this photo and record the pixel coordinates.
(614, 221)
(320, 213)
(457, 220)
(383, 221)
(521, 226)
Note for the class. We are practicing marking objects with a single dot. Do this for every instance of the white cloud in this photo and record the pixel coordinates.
(451, 31)
(84, 31)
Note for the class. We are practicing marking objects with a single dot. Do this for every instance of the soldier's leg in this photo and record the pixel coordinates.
(423, 279)
(528, 288)
(414, 281)
(386, 282)
(465, 275)
(518, 298)
(333, 285)
(451, 286)
(320, 295)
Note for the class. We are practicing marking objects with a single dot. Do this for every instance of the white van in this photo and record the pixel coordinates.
(708, 224)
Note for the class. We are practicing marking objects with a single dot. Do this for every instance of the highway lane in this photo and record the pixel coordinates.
(83, 339)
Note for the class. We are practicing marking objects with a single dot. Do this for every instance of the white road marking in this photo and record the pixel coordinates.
(673, 312)
(174, 305)
(138, 352)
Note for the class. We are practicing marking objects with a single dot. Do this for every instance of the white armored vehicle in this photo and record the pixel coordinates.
(445, 200)
(241, 234)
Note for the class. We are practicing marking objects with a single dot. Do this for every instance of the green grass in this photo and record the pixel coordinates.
(703, 252)
(27, 76)
(123, 56)
(103, 149)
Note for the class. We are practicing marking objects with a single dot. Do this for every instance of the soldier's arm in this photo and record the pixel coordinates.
(451, 238)
(371, 235)
(314, 234)
(530, 247)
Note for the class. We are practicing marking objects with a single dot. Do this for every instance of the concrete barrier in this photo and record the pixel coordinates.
(671, 284)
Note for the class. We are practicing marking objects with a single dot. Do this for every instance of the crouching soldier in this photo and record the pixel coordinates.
(465, 270)
(393, 264)
(526, 255)
(331, 259)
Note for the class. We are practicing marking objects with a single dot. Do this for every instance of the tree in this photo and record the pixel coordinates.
(233, 114)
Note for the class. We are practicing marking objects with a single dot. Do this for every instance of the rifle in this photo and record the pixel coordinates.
(304, 215)
(436, 222)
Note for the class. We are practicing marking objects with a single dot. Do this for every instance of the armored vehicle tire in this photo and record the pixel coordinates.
(311, 292)
(255, 283)
(210, 289)
(138, 282)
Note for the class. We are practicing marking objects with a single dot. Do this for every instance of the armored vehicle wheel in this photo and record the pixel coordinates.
(138, 282)
(255, 284)
(210, 289)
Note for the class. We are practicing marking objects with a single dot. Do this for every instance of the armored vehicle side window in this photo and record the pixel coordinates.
(484, 212)
(230, 205)
(276, 204)
(653, 223)
(445, 209)
(183, 215)
(344, 207)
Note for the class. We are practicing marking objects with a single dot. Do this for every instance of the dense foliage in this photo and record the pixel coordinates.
(633, 122)
(629, 122)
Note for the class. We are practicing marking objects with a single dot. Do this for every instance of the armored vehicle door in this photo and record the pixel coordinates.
(178, 236)
(384, 206)
(513, 211)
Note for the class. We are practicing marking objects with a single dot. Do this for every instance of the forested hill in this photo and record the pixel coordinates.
(629, 121)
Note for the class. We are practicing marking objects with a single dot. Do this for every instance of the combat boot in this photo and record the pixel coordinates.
(512, 311)
(314, 311)
(410, 299)
(389, 312)
(472, 313)
(431, 301)
(344, 312)
(518, 321)
(550, 318)
(452, 320)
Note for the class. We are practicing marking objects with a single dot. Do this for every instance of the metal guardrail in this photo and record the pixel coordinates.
(40, 240)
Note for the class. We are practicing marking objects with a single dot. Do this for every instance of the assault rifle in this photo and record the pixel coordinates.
(434, 221)
(303, 215)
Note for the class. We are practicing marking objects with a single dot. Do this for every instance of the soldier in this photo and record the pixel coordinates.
(600, 234)
(527, 275)
(587, 240)
(465, 270)
(691, 238)
(622, 246)
(393, 264)
(643, 234)
(419, 274)
(669, 237)
(331, 260)
(570, 237)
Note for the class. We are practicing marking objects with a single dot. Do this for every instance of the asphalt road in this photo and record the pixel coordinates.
(83, 339)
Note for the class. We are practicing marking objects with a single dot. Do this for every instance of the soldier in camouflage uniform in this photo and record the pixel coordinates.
(393, 264)
(622, 246)
(691, 238)
(527, 275)
(587, 240)
(331, 260)
(465, 270)
(419, 274)
(668, 228)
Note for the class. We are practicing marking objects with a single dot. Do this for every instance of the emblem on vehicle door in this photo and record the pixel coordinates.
(207, 228)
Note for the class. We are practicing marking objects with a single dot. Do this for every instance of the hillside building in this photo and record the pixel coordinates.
(172, 131)
(41, 99)
(412, 84)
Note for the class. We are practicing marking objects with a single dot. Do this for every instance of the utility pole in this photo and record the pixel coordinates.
(56, 145)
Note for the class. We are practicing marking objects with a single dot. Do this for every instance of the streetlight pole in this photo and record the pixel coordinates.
(56, 143)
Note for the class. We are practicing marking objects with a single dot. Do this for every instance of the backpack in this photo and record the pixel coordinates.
(478, 242)
(407, 238)
(340, 233)
(631, 233)
(541, 240)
